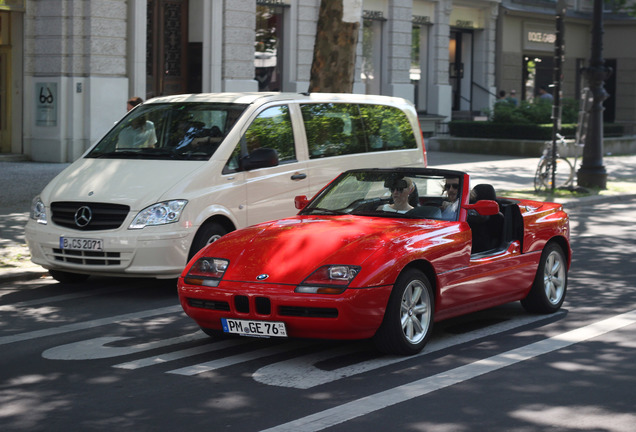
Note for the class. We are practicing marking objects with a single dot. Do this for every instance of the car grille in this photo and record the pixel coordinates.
(309, 312)
(103, 216)
(209, 304)
(87, 257)
(263, 307)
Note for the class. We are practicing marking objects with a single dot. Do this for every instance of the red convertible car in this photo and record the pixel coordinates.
(382, 254)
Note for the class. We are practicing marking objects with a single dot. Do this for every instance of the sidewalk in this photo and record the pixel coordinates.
(24, 180)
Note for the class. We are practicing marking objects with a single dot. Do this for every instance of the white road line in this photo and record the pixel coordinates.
(20, 337)
(236, 359)
(301, 372)
(96, 348)
(176, 355)
(378, 401)
(59, 298)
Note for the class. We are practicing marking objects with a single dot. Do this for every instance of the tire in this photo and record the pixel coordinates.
(550, 283)
(543, 177)
(408, 319)
(67, 277)
(207, 234)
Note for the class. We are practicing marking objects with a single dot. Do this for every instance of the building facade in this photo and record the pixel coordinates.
(67, 67)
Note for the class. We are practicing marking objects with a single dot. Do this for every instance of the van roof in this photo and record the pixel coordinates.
(251, 97)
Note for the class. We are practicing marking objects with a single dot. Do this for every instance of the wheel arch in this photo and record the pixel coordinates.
(220, 219)
(427, 268)
(564, 245)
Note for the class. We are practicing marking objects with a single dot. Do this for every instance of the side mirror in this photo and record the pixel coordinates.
(484, 207)
(260, 158)
(301, 202)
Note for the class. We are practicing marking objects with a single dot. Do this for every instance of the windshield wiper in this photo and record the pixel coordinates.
(324, 211)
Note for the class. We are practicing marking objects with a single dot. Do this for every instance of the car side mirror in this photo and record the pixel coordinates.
(301, 202)
(484, 207)
(260, 158)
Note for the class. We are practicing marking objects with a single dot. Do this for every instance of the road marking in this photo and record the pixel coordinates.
(93, 349)
(236, 359)
(301, 372)
(403, 393)
(176, 355)
(59, 298)
(20, 337)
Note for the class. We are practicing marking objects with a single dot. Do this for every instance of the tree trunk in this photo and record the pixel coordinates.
(334, 63)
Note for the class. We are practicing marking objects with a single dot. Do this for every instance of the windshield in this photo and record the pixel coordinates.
(389, 193)
(184, 131)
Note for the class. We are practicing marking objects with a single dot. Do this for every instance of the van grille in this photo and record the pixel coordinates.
(99, 216)
(87, 257)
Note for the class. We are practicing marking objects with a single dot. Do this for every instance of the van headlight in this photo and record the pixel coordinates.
(162, 213)
(38, 211)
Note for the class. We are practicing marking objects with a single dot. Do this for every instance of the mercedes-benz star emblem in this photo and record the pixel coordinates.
(83, 216)
(262, 276)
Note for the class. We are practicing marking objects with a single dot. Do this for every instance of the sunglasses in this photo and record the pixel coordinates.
(448, 186)
(398, 189)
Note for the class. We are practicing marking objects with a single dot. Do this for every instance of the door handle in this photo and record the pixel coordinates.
(299, 176)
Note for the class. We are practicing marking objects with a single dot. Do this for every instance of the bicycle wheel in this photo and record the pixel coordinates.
(543, 177)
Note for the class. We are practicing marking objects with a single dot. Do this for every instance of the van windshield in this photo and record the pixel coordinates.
(183, 131)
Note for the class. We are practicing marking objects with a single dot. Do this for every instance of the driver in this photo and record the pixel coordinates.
(450, 205)
(400, 189)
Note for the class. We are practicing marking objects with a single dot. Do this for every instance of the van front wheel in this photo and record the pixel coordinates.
(207, 234)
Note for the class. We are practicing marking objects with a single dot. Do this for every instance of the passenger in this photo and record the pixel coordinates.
(450, 205)
(140, 133)
(400, 189)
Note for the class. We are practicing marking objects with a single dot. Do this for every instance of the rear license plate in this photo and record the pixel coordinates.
(83, 244)
(254, 328)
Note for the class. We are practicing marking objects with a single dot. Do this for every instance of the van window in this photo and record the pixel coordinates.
(271, 129)
(188, 131)
(335, 129)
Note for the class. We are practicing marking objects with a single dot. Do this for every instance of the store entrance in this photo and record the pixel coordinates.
(5, 102)
(166, 47)
(538, 71)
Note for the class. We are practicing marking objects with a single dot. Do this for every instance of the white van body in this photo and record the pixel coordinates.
(97, 216)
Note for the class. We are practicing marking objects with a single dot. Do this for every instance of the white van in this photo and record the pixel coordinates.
(178, 172)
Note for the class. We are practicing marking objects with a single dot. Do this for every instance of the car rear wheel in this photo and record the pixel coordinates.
(550, 283)
(408, 319)
(207, 234)
(68, 277)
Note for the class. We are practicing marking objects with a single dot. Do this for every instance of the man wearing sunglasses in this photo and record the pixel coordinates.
(451, 201)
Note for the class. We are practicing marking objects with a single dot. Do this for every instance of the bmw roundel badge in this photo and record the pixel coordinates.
(261, 277)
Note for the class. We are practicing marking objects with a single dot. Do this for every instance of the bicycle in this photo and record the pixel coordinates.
(563, 168)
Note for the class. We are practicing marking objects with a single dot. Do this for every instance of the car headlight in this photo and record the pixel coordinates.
(329, 279)
(159, 214)
(38, 211)
(206, 271)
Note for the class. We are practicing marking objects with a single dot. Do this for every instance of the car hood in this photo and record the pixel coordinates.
(135, 183)
(291, 249)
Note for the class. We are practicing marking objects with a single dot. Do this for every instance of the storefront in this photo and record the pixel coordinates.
(11, 41)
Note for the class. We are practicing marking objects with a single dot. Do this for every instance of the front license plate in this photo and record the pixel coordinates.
(83, 244)
(254, 328)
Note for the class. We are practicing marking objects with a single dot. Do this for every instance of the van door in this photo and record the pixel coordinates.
(271, 190)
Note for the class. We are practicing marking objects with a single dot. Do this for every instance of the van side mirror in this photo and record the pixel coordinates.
(484, 207)
(259, 158)
(301, 202)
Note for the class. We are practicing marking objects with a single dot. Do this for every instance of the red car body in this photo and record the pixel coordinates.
(288, 251)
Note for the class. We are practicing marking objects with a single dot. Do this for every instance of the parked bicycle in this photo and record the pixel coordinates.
(563, 168)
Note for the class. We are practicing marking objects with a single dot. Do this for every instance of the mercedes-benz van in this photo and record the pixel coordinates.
(178, 172)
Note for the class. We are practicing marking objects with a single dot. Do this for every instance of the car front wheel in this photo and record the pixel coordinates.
(408, 319)
(207, 234)
(550, 283)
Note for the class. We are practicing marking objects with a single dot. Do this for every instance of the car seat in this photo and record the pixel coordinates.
(487, 230)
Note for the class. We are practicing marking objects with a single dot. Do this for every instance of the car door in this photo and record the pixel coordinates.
(271, 190)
